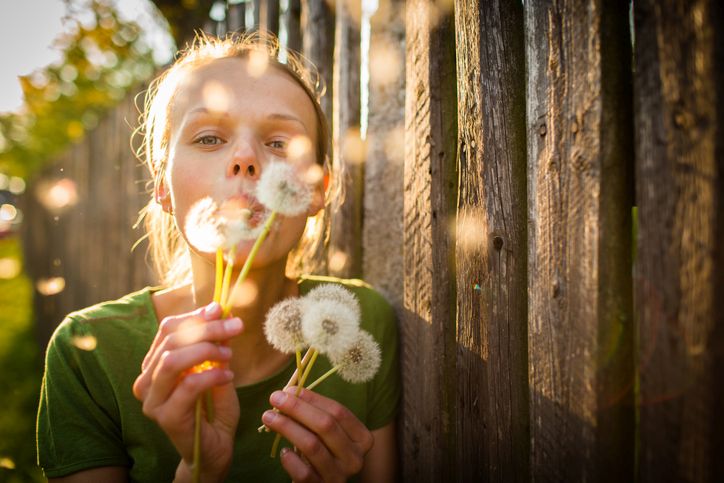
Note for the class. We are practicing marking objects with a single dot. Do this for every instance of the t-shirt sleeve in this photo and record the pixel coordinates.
(76, 428)
(385, 390)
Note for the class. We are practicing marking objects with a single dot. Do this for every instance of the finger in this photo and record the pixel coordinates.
(180, 403)
(308, 443)
(296, 468)
(193, 330)
(322, 423)
(174, 364)
(169, 325)
(346, 419)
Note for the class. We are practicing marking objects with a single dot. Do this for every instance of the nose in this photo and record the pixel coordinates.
(244, 162)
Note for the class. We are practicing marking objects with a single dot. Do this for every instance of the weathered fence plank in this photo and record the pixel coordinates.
(680, 194)
(427, 322)
(236, 17)
(75, 242)
(272, 16)
(382, 228)
(579, 258)
(318, 46)
(491, 249)
(292, 18)
(345, 244)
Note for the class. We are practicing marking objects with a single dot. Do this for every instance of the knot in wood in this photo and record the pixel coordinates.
(498, 243)
(542, 130)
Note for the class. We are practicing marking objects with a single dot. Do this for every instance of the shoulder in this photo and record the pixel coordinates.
(123, 317)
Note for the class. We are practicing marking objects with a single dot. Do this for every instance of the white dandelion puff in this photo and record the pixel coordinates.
(329, 326)
(283, 326)
(337, 293)
(202, 226)
(281, 190)
(210, 227)
(241, 223)
(361, 361)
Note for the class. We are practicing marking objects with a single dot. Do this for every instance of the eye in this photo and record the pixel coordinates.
(209, 140)
(277, 144)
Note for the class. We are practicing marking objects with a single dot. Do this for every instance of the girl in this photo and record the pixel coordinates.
(121, 408)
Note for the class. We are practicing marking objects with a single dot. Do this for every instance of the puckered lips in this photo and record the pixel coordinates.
(243, 207)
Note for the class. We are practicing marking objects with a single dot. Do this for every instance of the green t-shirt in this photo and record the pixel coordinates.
(88, 416)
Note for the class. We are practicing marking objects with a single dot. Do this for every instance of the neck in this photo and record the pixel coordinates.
(254, 359)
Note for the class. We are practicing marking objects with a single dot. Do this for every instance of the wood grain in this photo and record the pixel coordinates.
(427, 322)
(579, 205)
(680, 192)
(383, 173)
(345, 244)
(491, 249)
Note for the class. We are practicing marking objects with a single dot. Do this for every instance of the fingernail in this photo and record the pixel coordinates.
(284, 451)
(278, 398)
(268, 417)
(232, 325)
(211, 308)
(225, 351)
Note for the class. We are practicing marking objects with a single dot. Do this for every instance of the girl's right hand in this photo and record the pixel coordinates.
(169, 392)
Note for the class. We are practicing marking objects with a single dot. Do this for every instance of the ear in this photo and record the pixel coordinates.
(162, 195)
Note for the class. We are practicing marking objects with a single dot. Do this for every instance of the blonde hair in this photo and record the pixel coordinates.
(169, 254)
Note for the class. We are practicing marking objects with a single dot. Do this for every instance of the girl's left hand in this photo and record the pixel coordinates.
(332, 440)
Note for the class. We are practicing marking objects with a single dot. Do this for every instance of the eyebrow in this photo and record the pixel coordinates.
(276, 116)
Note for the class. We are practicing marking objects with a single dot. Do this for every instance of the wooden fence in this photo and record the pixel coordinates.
(541, 339)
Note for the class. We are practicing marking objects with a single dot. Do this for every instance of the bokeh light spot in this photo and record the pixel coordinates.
(9, 268)
(257, 63)
(85, 342)
(354, 148)
(246, 294)
(57, 195)
(338, 261)
(216, 96)
(50, 285)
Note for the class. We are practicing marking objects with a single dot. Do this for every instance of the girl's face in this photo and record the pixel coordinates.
(226, 126)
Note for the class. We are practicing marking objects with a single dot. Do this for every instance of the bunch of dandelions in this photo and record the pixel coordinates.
(212, 228)
(281, 192)
(326, 321)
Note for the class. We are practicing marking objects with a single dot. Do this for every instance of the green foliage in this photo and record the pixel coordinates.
(20, 376)
(101, 60)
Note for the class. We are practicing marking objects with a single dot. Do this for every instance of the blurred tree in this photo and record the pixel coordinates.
(103, 57)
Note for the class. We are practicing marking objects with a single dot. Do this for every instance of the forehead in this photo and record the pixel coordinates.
(227, 85)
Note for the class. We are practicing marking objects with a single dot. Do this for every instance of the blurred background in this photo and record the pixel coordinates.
(65, 65)
(68, 198)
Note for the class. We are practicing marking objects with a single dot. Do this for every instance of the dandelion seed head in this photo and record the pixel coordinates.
(328, 325)
(280, 190)
(210, 226)
(283, 326)
(203, 226)
(337, 293)
(360, 362)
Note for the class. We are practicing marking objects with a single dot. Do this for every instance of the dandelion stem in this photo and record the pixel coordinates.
(219, 274)
(197, 443)
(226, 303)
(292, 381)
(298, 356)
(227, 276)
(322, 378)
(307, 370)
